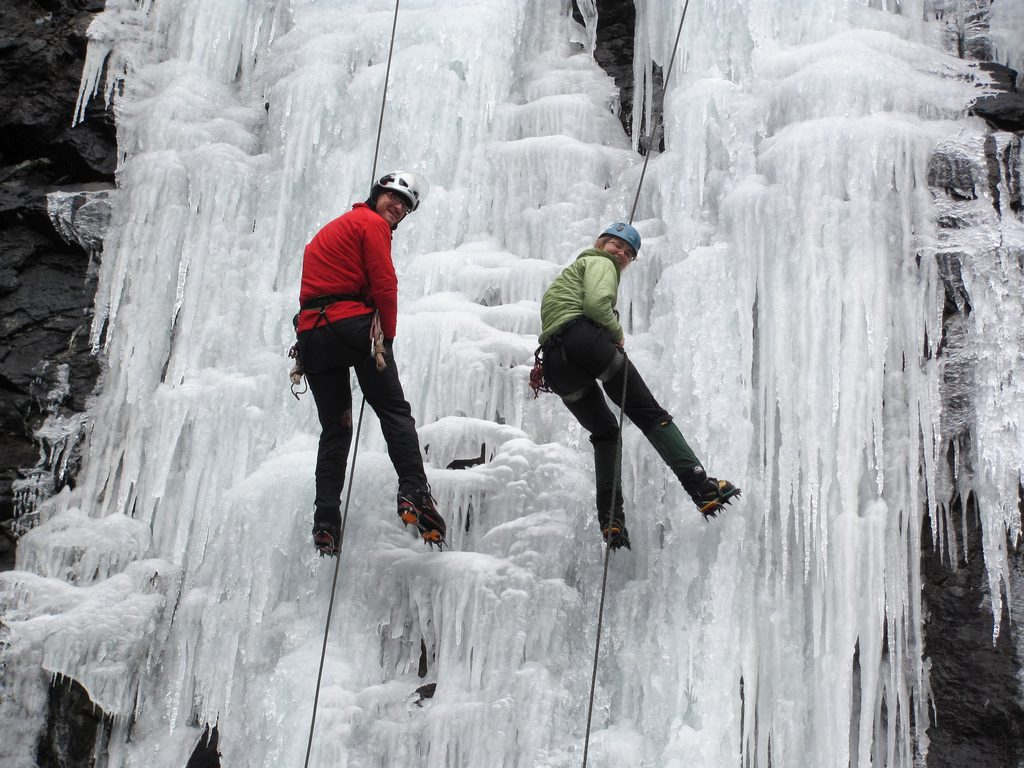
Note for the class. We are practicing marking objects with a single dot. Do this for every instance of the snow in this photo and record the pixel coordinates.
(786, 308)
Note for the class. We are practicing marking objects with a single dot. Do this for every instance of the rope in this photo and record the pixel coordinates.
(359, 426)
(650, 136)
(384, 98)
(607, 552)
(622, 410)
(334, 582)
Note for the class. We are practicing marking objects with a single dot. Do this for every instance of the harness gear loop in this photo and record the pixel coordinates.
(537, 382)
(377, 349)
(297, 374)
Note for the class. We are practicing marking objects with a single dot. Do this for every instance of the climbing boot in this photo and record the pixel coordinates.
(418, 509)
(610, 516)
(325, 539)
(708, 493)
(714, 495)
(615, 535)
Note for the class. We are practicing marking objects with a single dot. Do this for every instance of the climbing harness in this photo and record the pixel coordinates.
(378, 348)
(625, 378)
(321, 303)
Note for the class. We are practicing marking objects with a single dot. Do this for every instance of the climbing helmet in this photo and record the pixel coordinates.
(626, 232)
(411, 186)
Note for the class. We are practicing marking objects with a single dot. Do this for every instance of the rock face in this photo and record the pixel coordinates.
(46, 291)
(614, 52)
(72, 726)
(977, 703)
(978, 713)
(1003, 109)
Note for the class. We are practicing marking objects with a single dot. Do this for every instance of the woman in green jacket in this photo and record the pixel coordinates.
(583, 344)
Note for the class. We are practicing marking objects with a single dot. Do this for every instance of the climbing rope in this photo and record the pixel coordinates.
(384, 97)
(334, 582)
(607, 552)
(359, 424)
(651, 134)
(622, 410)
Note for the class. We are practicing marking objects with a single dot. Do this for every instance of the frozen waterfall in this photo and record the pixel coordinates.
(787, 308)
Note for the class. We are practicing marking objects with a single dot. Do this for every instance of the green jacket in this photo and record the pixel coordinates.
(588, 287)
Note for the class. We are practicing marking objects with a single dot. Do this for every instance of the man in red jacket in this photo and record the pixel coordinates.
(347, 277)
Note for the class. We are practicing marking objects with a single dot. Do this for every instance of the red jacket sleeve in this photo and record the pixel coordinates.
(380, 273)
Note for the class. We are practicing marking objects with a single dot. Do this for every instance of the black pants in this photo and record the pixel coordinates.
(580, 356)
(327, 352)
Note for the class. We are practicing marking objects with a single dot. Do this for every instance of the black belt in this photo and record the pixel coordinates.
(322, 302)
(556, 337)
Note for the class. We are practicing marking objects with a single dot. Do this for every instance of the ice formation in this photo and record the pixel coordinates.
(787, 308)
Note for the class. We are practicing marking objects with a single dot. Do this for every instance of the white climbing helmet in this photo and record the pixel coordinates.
(410, 185)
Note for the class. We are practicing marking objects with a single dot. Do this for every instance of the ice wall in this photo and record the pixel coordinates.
(786, 308)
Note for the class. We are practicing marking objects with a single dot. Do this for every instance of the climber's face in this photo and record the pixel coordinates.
(392, 206)
(620, 249)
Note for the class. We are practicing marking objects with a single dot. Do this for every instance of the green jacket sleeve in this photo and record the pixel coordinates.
(600, 290)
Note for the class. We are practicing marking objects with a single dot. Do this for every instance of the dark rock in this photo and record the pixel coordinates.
(966, 34)
(8, 281)
(73, 726)
(954, 173)
(206, 754)
(46, 289)
(467, 463)
(1003, 78)
(1003, 161)
(614, 53)
(425, 692)
(1003, 111)
(978, 717)
(1003, 105)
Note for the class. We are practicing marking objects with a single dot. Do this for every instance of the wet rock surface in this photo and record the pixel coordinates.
(73, 727)
(46, 291)
(978, 714)
(614, 53)
(1003, 106)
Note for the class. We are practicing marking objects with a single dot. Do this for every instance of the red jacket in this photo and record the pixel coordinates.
(351, 255)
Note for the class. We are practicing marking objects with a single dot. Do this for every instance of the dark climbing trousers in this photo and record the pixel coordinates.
(580, 355)
(327, 352)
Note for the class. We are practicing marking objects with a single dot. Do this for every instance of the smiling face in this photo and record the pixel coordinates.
(617, 247)
(392, 206)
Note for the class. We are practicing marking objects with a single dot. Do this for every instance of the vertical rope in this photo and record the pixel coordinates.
(334, 582)
(622, 409)
(607, 551)
(384, 98)
(650, 136)
(359, 426)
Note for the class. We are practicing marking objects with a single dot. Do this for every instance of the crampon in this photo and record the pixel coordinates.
(718, 494)
(616, 536)
(325, 539)
(419, 510)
